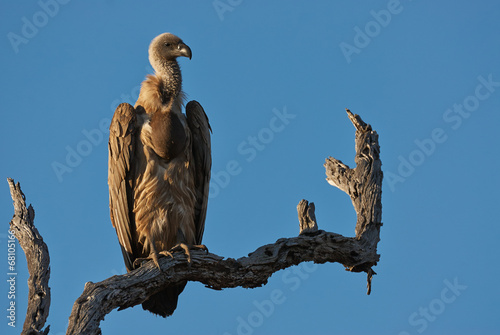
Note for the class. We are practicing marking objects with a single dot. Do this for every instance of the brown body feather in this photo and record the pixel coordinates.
(164, 194)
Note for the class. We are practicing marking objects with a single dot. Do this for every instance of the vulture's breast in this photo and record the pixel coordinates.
(167, 134)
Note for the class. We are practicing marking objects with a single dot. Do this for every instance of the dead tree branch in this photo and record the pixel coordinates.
(363, 183)
(37, 257)
(357, 254)
(99, 299)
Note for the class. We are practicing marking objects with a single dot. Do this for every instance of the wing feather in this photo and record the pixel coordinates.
(200, 129)
(122, 132)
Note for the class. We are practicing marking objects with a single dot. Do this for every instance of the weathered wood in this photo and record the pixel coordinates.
(307, 218)
(38, 260)
(363, 183)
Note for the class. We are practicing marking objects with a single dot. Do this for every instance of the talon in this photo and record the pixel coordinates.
(153, 255)
(140, 261)
(185, 248)
(166, 253)
(200, 246)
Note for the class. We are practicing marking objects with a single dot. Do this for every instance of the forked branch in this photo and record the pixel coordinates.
(363, 183)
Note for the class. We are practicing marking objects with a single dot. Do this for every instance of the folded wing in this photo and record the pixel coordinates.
(202, 158)
(122, 133)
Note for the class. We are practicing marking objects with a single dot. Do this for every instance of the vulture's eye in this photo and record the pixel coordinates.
(168, 44)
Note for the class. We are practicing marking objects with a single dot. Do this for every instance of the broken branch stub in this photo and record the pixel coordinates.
(307, 218)
(38, 260)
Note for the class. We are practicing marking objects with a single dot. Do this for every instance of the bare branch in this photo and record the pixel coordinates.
(363, 183)
(215, 272)
(37, 257)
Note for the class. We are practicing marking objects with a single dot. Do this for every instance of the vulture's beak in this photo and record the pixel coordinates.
(184, 50)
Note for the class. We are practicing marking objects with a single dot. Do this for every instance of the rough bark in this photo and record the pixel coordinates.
(38, 260)
(357, 254)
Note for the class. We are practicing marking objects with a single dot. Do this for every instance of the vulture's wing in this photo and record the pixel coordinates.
(122, 132)
(202, 156)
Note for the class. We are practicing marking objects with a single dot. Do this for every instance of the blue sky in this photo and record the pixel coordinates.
(424, 74)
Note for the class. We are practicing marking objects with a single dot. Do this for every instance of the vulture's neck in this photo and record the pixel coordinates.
(170, 74)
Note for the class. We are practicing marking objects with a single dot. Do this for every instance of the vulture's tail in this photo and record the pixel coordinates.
(164, 302)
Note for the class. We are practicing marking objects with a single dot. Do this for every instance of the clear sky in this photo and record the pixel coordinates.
(274, 79)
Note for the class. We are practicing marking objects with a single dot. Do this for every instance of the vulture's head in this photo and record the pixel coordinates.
(167, 47)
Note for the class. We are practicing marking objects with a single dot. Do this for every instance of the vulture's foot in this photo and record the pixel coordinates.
(182, 247)
(186, 248)
(153, 256)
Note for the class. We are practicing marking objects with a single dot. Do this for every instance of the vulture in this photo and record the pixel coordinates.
(159, 169)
